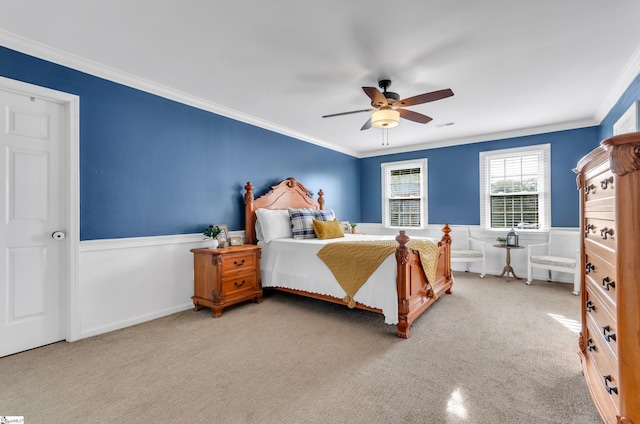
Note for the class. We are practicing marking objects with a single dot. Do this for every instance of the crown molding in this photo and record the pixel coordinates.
(69, 60)
(563, 126)
(624, 80)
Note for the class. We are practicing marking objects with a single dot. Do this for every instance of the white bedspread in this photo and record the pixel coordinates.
(294, 264)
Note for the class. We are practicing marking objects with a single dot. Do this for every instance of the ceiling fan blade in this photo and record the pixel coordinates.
(348, 113)
(377, 99)
(414, 116)
(366, 125)
(425, 98)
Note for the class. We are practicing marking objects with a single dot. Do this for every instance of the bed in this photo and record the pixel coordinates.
(399, 288)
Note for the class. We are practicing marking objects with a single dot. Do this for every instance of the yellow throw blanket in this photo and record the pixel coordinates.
(352, 263)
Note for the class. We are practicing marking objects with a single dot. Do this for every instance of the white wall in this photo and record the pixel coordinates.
(496, 258)
(124, 282)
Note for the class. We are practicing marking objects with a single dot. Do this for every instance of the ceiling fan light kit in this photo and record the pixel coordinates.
(386, 117)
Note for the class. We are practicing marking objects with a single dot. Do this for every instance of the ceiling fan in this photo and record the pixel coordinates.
(389, 107)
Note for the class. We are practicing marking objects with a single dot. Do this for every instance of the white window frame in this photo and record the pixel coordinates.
(544, 183)
(386, 169)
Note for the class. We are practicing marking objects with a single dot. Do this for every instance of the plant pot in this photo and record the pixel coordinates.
(212, 243)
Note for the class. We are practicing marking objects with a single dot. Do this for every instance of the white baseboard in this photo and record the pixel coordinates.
(133, 321)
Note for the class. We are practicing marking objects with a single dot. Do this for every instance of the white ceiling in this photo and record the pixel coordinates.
(516, 66)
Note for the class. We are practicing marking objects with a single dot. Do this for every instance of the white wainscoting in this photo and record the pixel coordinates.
(123, 282)
(496, 258)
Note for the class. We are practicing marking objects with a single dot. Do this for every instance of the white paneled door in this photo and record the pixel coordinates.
(32, 233)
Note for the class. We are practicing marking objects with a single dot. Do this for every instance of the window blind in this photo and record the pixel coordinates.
(404, 198)
(515, 188)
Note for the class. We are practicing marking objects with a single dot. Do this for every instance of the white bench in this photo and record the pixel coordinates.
(467, 249)
(561, 254)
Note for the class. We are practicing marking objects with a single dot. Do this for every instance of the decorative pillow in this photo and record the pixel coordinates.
(272, 224)
(328, 229)
(302, 223)
(324, 215)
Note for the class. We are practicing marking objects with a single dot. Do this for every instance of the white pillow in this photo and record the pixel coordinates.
(274, 224)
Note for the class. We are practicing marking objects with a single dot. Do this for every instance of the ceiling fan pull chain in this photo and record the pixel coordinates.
(385, 136)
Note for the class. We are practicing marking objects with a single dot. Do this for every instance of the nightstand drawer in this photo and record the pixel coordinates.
(238, 283)
(238, 263)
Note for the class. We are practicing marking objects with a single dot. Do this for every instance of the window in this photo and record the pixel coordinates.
(515, 188)
(404, 194)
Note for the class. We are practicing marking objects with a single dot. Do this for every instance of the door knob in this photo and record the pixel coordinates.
(58, 235)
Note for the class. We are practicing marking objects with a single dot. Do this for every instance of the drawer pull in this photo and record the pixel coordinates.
(605, 231)
(604, 183)
(588, 228)
(608, 283)
(590, 344)
(588, 188)
(610, 389)
(589, 267)
(236, 263)
(608, 336)
(590, 306)
(238, 285)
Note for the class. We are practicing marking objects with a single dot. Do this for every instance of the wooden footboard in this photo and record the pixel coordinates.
(415, 294)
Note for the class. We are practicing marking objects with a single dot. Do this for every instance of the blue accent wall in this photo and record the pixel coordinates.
(152, 166)
(454, 184)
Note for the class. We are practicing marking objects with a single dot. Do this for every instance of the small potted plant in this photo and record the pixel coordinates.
(353, 227)
(211, 232)
(502, 241)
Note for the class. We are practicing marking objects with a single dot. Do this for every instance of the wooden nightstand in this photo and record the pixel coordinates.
(226, 276)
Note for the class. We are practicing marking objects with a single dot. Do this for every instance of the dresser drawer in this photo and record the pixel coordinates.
(601, 231)
(605, 363)
(602, 315)
(237, 263)
(602, 275)
(600, 186)
(239, 283)
(598, 253)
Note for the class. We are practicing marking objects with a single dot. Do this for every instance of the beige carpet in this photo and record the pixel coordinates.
(492, 352)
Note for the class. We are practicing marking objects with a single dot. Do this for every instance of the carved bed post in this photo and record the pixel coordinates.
(321, 199)
(446, 239)
(402, 259)
(249, 227)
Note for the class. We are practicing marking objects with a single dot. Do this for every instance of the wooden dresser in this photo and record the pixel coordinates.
(226, 276)
(609, 181)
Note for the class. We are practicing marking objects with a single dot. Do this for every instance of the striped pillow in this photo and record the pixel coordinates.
(302, 223)
(324, 215)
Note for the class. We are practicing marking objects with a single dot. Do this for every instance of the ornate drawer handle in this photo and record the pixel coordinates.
(590, 306)
(588, 188)
(604, 183)
(589, 227)
(610, 389)
(606, 282)
(235, 283)
(236, 263)
(608, 336)
(590, 345)
(605, 231)
(589, 267)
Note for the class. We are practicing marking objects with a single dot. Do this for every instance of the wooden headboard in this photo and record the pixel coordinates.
(286, 194)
